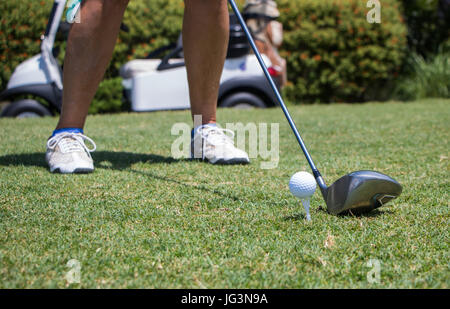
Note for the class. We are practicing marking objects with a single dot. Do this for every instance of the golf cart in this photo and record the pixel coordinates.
(35, 87)
(154, 84)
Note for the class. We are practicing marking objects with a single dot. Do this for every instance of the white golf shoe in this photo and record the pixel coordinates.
(67, 153)
(216, 146)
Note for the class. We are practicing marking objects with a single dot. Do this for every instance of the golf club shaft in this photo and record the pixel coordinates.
(316, 172)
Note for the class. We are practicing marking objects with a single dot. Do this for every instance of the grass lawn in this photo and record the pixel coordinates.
(144, 219)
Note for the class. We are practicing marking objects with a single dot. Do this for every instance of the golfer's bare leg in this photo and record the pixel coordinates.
(89, 51)
(205, 41)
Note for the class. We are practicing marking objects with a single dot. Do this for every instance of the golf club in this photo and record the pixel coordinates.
(357, 192)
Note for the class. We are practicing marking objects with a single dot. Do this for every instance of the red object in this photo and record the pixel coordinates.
(274, 72)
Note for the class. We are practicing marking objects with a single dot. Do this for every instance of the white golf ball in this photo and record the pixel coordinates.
(302, 185)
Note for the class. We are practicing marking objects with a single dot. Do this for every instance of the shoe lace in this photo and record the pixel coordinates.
(216, 136)
(71, 142)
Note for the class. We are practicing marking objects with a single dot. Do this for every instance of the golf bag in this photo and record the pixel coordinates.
(261, 18)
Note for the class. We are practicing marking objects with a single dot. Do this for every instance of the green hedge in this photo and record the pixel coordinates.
(152, 24)
(108, 98)
(428, 23)
(22, 24)
(333, 53)
(426, 78)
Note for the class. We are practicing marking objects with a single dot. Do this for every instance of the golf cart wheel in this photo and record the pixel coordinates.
(243, 100)
(26, 108)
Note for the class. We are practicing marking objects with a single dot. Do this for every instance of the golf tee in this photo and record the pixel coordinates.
(305, 203)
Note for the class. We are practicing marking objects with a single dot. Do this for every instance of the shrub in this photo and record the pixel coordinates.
(334, 54)
(22, 24)
(152, 24)
(108, 98)
(428, 23)
(428, 78)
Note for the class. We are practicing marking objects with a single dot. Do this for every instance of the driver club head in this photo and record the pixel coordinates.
(360, 192)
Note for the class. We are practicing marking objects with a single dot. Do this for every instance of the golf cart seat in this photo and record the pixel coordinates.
(152, 62)
(134, 67)
(237, 47)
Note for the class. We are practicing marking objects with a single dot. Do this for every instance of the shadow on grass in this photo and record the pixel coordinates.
(109, 160)
(188, 185)
(26, 159)
(115, 160)
(124, 160)
(373, 214)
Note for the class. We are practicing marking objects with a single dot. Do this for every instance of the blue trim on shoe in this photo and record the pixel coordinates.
(193, 133)
(68, 130)
(202, 126)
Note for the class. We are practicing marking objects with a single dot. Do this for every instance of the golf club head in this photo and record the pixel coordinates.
(361, 192)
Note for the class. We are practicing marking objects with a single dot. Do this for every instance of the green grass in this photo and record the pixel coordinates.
(144, 219)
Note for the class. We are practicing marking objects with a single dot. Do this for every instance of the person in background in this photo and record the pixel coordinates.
(89, 50)
(261, 18)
